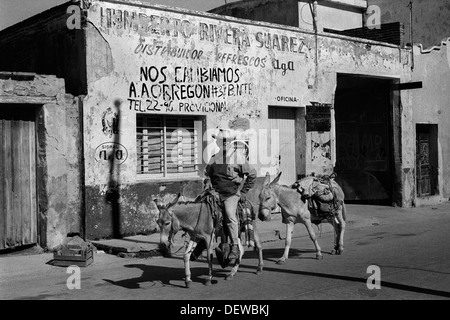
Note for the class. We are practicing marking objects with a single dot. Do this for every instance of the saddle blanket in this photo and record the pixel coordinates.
(246, 217)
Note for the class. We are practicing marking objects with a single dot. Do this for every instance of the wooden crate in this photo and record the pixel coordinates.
(68, 257)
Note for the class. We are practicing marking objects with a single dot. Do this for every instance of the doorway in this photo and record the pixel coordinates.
(364, 139)
(18, 197)
(283, 119)
(427, 160)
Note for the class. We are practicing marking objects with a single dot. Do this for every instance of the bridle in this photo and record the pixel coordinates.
(261, 206)
(171, 232)
(265, 207)
(171, 225)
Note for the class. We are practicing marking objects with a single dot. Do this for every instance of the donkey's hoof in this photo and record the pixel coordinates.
(281, 261)
(319, 256)
(229, 277)
(188, 283)
(259, 270)
(208, 282)
(333, 252)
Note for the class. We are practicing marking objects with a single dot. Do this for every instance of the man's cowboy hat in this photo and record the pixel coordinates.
(224, 134)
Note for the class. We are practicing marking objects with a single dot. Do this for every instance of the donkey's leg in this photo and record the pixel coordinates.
(340, 240)
(259, 248)
(313, 237)
(187, 257)
(235, 268)
(337, 229)
(289, 230)
(209, 259)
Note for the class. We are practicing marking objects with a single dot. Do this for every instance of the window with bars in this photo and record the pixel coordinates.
(167, 145)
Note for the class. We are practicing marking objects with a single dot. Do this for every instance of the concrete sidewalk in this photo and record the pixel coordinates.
(358, 216)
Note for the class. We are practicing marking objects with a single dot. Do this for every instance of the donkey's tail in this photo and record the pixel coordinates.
(344, 211)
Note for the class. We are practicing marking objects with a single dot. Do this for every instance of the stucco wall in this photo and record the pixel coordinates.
(58, 154)
(329, 15)
(431, 103)
(284, 73)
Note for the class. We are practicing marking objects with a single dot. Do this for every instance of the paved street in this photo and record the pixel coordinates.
(411, 250)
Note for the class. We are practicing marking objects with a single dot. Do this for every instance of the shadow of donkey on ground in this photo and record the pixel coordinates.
(166, 276)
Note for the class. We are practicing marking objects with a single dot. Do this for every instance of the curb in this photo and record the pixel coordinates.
(115, 247)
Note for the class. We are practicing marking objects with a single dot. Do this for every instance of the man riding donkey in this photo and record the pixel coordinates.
(231, 176)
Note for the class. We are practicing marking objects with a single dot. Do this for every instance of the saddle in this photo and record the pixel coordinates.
(245, 214)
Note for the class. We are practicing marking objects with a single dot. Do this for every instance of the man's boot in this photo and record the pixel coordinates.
(234, 254)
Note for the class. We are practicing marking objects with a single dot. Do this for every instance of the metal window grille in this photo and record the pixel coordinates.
(167, 145)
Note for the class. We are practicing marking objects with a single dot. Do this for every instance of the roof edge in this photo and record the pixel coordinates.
(37, 17)
(418, 48)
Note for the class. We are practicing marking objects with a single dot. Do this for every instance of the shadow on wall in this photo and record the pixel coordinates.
(113, 193)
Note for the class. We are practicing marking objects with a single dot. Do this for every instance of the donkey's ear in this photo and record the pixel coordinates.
(277, 178)
(266, 180)
(174, 201)
(158, 203)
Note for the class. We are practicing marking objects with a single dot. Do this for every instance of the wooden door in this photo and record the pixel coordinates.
(18, 209)
(283, 119)
(423, 165)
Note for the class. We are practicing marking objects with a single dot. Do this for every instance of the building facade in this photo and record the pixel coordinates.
(41, 174)
(431, 119)
(423, 23)
(154, 83)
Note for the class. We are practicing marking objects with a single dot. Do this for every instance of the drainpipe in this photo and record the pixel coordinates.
(410, 6)
(313, 9)
(82, 167)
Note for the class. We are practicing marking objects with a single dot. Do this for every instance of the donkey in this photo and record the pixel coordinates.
(195, 218)
(294, 209)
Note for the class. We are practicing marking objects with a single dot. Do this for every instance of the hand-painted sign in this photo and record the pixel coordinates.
(151, 24)
(186, 89)
(111, 152)
(110, 122)
(283, 66)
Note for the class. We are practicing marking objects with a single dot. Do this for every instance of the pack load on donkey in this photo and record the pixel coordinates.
(321, 193)
(294, 202)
